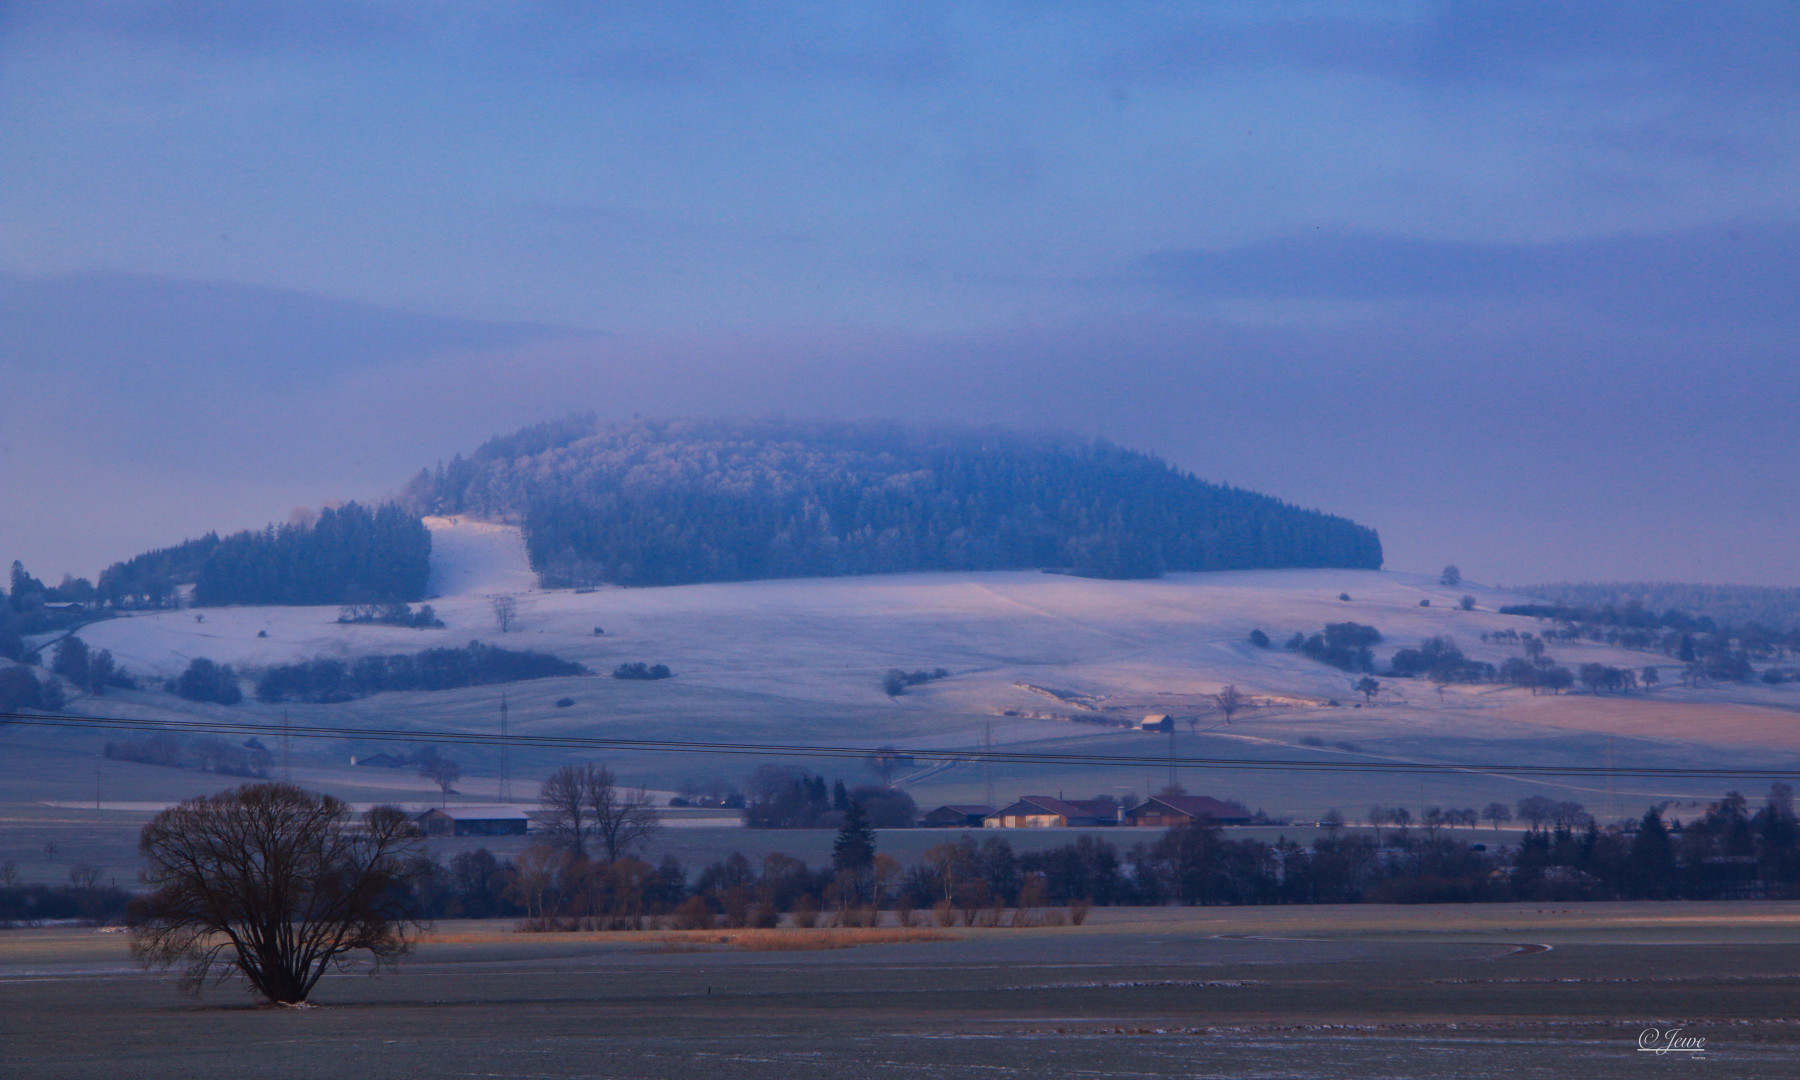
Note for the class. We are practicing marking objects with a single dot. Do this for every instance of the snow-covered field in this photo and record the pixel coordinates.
(1033, 651)
(830, 639)
(1032, 657)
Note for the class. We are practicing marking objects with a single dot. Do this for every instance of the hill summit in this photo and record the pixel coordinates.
(664, 502)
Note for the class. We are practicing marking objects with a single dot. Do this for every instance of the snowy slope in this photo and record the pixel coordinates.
(830, 639)
(477, 558)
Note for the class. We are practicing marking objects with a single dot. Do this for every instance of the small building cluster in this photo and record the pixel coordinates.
(1050, 812)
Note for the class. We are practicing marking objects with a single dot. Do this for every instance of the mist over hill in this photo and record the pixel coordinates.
(662, 502)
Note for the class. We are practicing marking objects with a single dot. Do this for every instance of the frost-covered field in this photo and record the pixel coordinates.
(1056, 661)
(830, 639)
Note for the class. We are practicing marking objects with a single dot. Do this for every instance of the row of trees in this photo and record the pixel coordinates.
(785, 797)
(1729, 852)
(1349, 646)
(653, 503)
(279, 884)
(1706, 650)
(206, 753)
(1692, 608)
(327, 680)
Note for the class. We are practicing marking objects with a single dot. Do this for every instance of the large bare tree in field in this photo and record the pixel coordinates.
(275, 883)
(584, 802)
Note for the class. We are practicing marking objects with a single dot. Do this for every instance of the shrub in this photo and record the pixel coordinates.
(1259, 639)
(641, 670)
(1344, 645)
(206, 681)
(895, 682)
(693, 914)
(19, 688)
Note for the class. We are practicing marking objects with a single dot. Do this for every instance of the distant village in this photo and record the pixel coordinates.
(1028, 812)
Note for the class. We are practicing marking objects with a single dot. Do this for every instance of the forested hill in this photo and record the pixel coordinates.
(667, 502)
(348, 554)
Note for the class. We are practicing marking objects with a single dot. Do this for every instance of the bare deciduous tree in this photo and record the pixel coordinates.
(564, 799)
(1230, 701)
(884, 763)
(506, 613)
(584, 802)
(275, 883)
(624, 818)
(444, 773)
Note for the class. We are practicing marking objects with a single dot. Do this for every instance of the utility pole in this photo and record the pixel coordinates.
(1612, 795)
(505, 757)
(987, 761)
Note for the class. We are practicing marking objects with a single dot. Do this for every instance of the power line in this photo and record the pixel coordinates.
(505, 759)
(230, 727)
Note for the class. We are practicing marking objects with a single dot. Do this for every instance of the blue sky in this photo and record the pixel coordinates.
(1514, 283)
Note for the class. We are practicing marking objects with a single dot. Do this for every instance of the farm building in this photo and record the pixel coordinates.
(1047, 812)
(956, 816)
(473, 821)
(1158, 722)
(1164, 811)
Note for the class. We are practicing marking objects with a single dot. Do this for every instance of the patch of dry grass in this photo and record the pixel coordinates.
(787, 939)
(795, 940)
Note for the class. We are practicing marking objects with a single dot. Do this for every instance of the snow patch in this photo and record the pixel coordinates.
(477, 558)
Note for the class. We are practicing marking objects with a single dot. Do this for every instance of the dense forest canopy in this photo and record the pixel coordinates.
(346, 555)
(665, 502)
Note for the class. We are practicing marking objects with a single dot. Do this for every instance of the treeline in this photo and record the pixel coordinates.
(668, 502)
(391, 614)
(792, 798)
(206, 753)
(1722, 605)
(28, 606)
(1706, 651)
(1703, 657)
(87, 901)
(1729, 853)
(346, 555)
(324, 680)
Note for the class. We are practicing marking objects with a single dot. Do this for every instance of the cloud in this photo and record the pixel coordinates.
(1718, 275)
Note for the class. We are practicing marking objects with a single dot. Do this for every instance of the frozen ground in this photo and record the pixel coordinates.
(1508, 992)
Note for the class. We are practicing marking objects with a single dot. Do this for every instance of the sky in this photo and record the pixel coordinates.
(1516, 284)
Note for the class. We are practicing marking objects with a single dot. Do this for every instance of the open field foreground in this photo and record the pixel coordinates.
(1367, 991)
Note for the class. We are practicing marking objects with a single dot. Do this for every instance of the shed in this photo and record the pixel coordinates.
(473, 821)
(956, 816)
(1165, 811)
(1158, 722)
